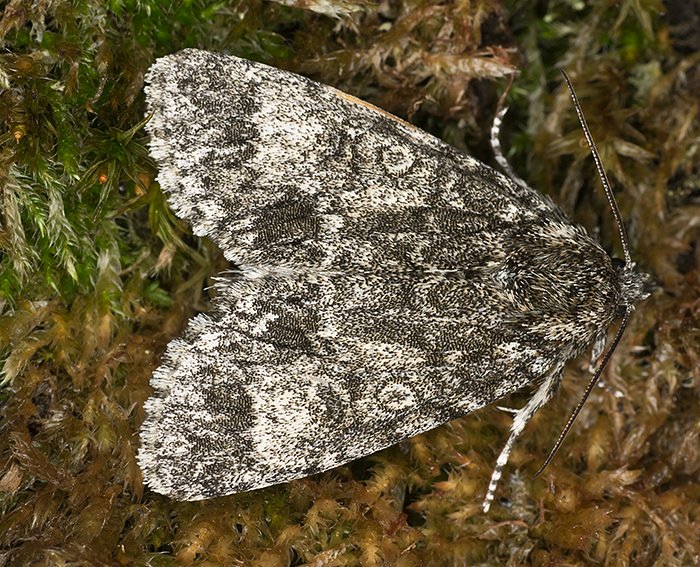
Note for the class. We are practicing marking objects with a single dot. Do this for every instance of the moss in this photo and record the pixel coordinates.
(96, 275)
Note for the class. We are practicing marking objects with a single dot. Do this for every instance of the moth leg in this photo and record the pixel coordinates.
(501, 110)
(511, 411)
(543, 394)
(598, 348)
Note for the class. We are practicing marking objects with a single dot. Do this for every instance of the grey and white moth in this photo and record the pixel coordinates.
(384, 282)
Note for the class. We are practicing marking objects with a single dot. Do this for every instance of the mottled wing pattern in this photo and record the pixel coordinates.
(384, 283)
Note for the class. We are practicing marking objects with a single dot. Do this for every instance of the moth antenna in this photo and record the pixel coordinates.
(601, 171)
(589, 389)
(501, 110)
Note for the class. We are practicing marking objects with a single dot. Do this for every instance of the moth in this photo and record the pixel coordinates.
(383, 282)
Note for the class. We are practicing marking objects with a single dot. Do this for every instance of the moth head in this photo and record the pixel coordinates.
(635, 286)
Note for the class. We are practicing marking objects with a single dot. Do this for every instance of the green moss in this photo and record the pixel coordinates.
(96, 275)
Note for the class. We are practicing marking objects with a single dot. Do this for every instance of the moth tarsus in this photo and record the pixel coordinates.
(503, 163)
